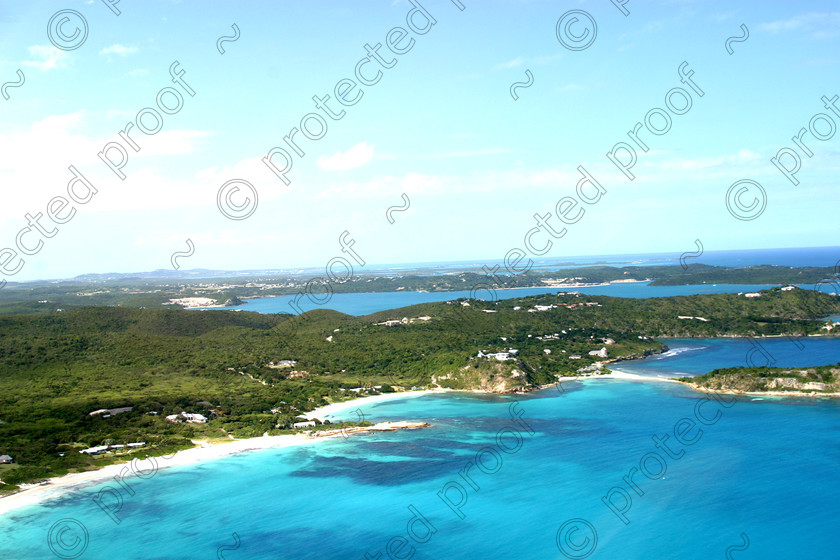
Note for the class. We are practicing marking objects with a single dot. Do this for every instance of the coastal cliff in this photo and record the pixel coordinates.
(813, 381)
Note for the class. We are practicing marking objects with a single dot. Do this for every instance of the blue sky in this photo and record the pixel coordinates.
(440, 126)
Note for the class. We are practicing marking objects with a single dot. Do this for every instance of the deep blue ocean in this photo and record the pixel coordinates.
(567, 472)
(794, 256)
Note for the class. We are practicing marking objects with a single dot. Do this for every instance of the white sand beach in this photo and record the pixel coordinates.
(331, 410)
(55, 487)
(618, 374)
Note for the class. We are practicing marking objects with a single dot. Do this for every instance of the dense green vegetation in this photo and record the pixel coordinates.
(56, 368)
(817, 380)
(46, 297)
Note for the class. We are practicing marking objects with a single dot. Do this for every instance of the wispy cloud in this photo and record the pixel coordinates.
(817, 25)
(48, 58)
(514, 63)
(570, 87)
(357, 156)
(121, 50)
(521, 61)
(469, 153)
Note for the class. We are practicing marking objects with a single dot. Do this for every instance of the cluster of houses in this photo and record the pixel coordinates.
(594, 368)
(282, 364)
(537, 308)
(555, 336)
(360, 389)
(404, 321)
(187, 417)
(103, 448)
(501, 356)
(584, 304)
(182, 417)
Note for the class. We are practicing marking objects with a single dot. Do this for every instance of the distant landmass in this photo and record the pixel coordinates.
(207, 288)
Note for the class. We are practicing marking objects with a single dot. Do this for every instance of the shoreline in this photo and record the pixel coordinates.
(810, 394)
(56, 487)
(328, 412)
(616, 374)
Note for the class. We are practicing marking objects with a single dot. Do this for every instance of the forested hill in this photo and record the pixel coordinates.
(251, 373)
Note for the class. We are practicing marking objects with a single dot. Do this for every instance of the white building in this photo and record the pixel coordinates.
(187, 417)
(602, 353)
(95, 450)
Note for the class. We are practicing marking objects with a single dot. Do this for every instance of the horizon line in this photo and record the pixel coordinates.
(408, 266)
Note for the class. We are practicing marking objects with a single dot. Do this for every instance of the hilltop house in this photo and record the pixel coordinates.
(5, 459)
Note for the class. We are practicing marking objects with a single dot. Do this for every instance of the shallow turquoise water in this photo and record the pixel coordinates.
(765, 468)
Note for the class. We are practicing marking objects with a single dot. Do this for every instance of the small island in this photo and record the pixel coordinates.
(821, 381)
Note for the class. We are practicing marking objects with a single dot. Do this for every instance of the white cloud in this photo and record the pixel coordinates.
(36, 160)
(515, 63)
(411, 183)
(520, 61)
(48, 57)
(170, 142)
(121, 50)
(469, 153)
(818, 25)
(357, 156)
(570, 88)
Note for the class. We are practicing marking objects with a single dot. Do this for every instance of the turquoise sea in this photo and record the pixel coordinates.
(547, 475)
